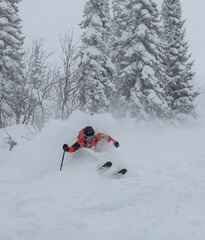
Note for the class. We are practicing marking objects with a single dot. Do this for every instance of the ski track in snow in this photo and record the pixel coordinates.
(161, 197)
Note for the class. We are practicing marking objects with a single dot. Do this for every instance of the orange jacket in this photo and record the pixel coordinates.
(82, 142)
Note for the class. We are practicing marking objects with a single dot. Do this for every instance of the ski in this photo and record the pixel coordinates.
(117, 174)
(120, 172)
(105, 166)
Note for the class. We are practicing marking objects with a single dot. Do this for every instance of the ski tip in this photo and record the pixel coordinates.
(106, 165)
(121, 172)
(109, 164)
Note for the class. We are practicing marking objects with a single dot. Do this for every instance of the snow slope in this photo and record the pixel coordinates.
(162, 196)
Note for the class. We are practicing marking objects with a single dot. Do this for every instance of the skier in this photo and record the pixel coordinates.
(87, 138)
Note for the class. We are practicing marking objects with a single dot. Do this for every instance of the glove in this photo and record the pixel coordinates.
(116, 144)
(65, 147)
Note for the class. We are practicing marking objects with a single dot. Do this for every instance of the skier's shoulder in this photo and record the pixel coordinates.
(81, 135)
(100, 136)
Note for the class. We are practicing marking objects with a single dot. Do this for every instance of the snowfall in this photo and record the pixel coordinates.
(162, 196)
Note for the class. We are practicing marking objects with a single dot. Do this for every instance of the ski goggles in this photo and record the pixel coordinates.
(89, 138)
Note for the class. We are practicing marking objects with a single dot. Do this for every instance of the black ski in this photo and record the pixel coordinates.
(120, 172)
(117, 174)
(105, 166)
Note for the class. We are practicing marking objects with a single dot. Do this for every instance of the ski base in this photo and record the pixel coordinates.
(105, 166)
(108, 165)
(121, 172)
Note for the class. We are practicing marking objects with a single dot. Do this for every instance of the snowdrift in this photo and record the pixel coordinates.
(161, 197)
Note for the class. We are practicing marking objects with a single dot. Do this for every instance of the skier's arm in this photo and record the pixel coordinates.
(74, 147)
(116, 144)
(101, 136)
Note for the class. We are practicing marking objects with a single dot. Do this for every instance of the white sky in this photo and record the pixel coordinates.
(48, 19)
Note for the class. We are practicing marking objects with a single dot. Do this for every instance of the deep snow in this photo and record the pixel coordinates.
(161, 197)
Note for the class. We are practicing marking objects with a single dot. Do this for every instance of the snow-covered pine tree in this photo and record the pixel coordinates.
(119, 36)
(11, 67)
(96, 69)
(179, 87)
(142, 73)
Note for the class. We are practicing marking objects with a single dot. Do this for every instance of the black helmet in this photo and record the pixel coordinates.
(89, 132)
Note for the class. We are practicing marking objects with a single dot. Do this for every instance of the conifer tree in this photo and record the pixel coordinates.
(119, 36)
(95, 68)
(120, 31)
(179, 87)
(142, 74)
(11, 67)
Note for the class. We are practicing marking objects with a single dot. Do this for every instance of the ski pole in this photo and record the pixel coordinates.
(62, 160)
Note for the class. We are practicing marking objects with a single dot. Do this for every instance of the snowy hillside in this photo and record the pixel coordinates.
(161, 197)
